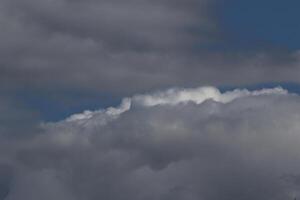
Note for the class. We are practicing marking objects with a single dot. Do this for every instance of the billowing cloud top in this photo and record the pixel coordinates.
(173, 97)
(176, 144)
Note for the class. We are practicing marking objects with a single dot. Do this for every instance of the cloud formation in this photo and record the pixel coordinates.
(174, 144)
(86, 43)
(179, 143)
(112, 45)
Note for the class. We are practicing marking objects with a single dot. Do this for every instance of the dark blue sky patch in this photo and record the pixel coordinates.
(55, 106)
(259, 24)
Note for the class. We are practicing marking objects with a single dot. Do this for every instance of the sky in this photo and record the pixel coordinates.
(149, 99)
(261, 24)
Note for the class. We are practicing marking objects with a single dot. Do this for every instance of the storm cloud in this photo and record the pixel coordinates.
(88, 43)
(112, 45)
(182, 143)
(175, 144)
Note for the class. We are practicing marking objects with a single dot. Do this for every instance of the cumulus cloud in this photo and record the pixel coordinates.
(175, 144)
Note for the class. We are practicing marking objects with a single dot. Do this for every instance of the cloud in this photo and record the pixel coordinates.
(178, 143)
(81, 43)
(174, 144)
(112, 45)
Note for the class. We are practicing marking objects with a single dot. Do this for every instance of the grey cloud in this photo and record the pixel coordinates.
(112, 45)
(77, 44)
(185, 144)
(5, 180)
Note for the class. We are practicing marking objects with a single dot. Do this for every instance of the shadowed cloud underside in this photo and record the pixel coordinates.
(175, 144)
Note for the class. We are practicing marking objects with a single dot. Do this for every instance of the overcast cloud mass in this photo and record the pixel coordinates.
(171, 137)
(110, 45)
(175, 144)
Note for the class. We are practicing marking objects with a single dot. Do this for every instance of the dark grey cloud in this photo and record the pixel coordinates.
(112, 45)
(94, 42)
(175, 144)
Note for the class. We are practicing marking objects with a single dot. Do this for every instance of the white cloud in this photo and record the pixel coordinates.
(175, 96)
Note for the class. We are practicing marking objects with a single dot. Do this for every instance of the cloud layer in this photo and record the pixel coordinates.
(174, 144)
(81, 44)
(112, 45)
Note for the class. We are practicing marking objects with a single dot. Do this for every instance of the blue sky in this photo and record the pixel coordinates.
(261, 24)
(55, 106)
